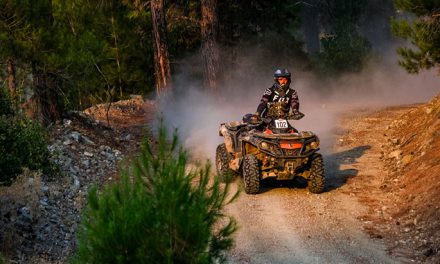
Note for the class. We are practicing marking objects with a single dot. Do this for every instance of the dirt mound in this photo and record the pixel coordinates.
(413, 158)
(124, 113)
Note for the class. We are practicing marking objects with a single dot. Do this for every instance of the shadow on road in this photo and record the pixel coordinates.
(335, 176)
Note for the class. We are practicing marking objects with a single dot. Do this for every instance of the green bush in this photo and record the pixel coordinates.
(346, 51)
(22, 144)
(157, 213)
(5, 103)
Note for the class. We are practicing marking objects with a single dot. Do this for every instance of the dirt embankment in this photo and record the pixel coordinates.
(405, 207)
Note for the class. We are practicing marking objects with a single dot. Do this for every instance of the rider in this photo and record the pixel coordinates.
(279, 92)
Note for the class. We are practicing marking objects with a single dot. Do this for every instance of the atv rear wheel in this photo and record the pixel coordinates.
(251, 174)
(316, 181)
(222, 159)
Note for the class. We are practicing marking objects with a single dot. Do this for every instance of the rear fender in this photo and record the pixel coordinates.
(222, 129)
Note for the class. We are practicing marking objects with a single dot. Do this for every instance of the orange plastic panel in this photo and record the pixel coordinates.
(268, 131)
(290, 144)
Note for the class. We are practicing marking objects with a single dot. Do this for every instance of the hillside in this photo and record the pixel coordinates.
(401, 183)
(412, 157)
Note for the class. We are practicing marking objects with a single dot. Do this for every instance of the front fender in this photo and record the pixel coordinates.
(249, 146)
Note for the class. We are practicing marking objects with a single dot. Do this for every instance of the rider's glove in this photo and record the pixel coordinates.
(255, 117)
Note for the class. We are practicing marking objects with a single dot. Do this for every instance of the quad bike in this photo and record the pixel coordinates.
(270, 148)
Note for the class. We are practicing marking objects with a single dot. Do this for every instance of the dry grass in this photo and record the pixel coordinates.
(24, 192)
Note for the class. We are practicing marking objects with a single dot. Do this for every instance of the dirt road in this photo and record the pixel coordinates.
(287, 224)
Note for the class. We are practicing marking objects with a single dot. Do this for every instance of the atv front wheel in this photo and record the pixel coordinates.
(222, 159)
(251, 174)
(316, 181)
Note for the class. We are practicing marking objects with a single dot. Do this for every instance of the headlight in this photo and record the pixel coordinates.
(264, 145)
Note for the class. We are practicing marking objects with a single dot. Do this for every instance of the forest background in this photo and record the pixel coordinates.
(57, 56)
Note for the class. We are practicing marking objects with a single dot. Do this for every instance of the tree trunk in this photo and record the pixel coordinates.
(11, 77)
(161, 54)
(46, 95)
(310, 26)
(210, 52)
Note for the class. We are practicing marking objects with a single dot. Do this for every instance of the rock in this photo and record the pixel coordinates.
(428, 110)
(75, 136)
(44, 201)
(395, 154)
(25, 214)
(428, 252)
(88, 141)
(73, 171)
(407, 159)
(88, 154)
(105, 148)
(45, 189)
(76, 183)
(67, 142)
(108, 155)
(67, 122)
(66, 161)
(395, 141)
(86, 163)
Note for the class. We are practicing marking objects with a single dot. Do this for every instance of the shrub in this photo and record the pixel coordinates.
(22, 144)
(157, 213)
(5, 103)
(346, 51)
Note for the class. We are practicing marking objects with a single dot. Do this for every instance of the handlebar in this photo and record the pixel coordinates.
(260, 120)
(295, 115)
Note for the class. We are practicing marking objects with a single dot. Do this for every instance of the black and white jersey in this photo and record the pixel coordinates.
(272, 94)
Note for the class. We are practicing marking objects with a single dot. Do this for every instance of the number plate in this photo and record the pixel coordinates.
(281, 123)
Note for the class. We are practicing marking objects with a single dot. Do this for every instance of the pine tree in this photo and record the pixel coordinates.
(343, 49)
(161, 53)
(158, 213)
(423, 32)
(29, 28)
(210, 52)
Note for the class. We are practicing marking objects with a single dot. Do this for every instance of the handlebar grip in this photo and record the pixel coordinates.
(296, 115)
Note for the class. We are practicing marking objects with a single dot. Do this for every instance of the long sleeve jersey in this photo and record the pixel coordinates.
(272, 94)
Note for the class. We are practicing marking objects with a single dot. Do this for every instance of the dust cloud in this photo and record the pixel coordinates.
(198, 114)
